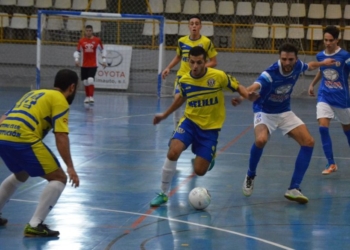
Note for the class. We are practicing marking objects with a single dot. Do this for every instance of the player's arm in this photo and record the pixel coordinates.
(316, 80)
(62, 144)
(177, 103)
(212, 62)
(326, 62)
(250, 93)
(175, 61)
(3, 117)
(104, 55)
(76, 56)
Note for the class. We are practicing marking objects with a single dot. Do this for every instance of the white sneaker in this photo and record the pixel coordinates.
(248, 186)
(87, 99)
(296, 195)
(91, 99)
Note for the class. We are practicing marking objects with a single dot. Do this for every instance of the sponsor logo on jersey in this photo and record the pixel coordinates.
(284, 89)
(203, 103)
(331, 76)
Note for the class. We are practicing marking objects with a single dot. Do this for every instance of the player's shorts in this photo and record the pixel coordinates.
(324, 110)
(36, 159)
(286, 121)
(85, 72)
(203, 142)
(176, 87)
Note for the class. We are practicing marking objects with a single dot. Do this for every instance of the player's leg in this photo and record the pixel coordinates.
(91, 82)
(46, 166)
(297, 130)
(12, 182)
(84, 79)
(264, 124)
(324, 114)
(178, 143)
(343, 116)
(204, 147)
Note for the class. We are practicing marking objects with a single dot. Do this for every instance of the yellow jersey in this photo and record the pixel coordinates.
(183, 48)
(34, 115)
(205, 104)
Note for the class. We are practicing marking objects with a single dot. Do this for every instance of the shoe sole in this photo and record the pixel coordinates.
(327, 173)
(39, 236)
(300, 200)
(246, 195)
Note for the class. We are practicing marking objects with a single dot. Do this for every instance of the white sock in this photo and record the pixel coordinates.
(47, 201)
(168, 172)
(7, 188)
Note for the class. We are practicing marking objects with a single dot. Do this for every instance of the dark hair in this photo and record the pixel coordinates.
(89, 27)
(197, 51)
(195, 16)
(288, 47)
(64, 78)
(333, 30)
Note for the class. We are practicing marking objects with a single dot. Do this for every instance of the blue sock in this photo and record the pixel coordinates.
(255, 154)
(347, 133)
(301, 165)
(327, 144)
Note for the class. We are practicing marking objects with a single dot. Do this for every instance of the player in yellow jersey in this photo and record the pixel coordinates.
(202, 90)
(22, 130)
(183, 47)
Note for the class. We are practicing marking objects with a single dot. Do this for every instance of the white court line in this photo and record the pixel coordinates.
(179, 221)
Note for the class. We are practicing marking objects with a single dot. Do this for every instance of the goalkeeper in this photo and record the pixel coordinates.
(89, 46)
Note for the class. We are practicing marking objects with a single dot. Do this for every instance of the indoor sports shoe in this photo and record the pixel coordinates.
(87, 99)
(296, 195)
(160, 199)
(329, 169)
(91, 99)
(212, 163)
(248, 186)
(42, 230)
(3, 221)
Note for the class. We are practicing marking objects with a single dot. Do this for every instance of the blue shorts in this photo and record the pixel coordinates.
(36, 158)
(203, 142)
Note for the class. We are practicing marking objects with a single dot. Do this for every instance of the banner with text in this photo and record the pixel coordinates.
(117, 73)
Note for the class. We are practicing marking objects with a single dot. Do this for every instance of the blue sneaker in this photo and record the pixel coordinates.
(160, 199)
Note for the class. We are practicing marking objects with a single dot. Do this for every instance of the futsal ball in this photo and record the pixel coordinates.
(199, 198)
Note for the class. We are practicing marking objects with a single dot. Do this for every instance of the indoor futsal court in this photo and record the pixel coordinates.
(119, 154)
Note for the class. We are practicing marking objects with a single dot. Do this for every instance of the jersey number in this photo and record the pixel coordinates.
(30, 100)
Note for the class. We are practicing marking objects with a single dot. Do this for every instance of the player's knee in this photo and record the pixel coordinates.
(173, 154)
(85, 83)
(200, 171)
(260, 141)
(90, 81)
(309, 142)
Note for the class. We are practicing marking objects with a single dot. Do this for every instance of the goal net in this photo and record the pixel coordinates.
(133, 43)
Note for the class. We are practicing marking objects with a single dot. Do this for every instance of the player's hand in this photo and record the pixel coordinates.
(311, 91)
(104, 65)
(252, 96)
(329, 61)
(165, 73)
(158, 118)
(77, 64)
(73, 177)
(236, 101)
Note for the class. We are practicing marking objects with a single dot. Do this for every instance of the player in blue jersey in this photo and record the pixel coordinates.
(22, 130)
(333, 98)
(202, 90)
(272, 110)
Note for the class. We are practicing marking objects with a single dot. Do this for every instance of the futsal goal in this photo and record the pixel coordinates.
(134, 45)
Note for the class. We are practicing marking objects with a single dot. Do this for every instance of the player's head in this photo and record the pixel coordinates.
(194, 25)
(331, 38)
(66, 81)
(288, 57)
(88, 31)
(197, 59)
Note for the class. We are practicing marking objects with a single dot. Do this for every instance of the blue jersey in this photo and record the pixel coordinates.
(334, 87)
(276, 88)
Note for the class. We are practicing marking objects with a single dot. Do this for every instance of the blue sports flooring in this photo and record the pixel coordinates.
(119, 154)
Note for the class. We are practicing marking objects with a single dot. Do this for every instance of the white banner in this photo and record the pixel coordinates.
(117, 73)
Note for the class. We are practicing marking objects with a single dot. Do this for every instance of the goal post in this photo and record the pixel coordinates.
(58, 33)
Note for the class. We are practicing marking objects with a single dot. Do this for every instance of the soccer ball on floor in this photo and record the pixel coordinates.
(199, 198)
